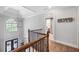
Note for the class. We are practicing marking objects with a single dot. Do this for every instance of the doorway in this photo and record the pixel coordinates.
(49, 24)
(49, 27)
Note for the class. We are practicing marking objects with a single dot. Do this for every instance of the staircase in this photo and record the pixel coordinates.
(37, 42)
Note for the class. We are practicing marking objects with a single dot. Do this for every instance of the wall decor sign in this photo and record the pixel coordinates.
(70, 19)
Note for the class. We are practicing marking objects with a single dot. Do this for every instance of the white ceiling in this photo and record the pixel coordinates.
(37, 9)
(28, 11)
(44, 9)
(24, 11)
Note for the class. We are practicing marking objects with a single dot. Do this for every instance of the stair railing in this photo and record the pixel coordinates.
(37, 45)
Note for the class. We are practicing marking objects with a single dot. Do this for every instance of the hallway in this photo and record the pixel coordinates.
(58, 47)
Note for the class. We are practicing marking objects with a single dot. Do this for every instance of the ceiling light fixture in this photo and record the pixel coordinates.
(49, 7)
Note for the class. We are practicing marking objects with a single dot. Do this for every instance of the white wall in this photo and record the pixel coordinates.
(1, 33)
(34, 22)
(14, 35)
(4, 35)
(65, 32)
(78, 26)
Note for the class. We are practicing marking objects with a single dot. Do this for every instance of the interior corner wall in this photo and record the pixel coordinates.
(1, 34)
(66, 32)
(34, 22)
(21, 32)
(78, 26)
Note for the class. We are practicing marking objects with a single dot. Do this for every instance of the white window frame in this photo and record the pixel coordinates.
(11, 25)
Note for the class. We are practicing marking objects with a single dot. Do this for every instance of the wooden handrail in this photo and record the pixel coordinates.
(39, 33)
(25, 46)
(36, 30)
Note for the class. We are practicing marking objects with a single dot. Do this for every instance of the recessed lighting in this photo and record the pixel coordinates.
(49, 7)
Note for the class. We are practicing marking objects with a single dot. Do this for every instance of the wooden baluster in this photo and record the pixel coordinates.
(48, 40)
(37, 43)
(43, 46)
(40, 45)
(29, 37)
(46, 45)
(36, 47)
(33, 48)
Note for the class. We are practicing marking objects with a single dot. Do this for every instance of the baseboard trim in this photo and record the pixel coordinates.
(71, 45)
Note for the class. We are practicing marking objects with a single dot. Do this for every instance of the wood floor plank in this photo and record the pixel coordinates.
(57, 47)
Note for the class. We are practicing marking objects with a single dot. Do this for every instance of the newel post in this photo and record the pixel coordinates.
(29, 37)
(48, 40)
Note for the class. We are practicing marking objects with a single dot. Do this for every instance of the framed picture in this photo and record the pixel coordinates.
(8, 46)
(11, 45)
(15, 43)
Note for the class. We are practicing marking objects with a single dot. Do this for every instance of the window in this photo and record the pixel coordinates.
(11, 25)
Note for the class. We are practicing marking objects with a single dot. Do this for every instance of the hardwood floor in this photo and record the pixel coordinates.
(57, 47)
